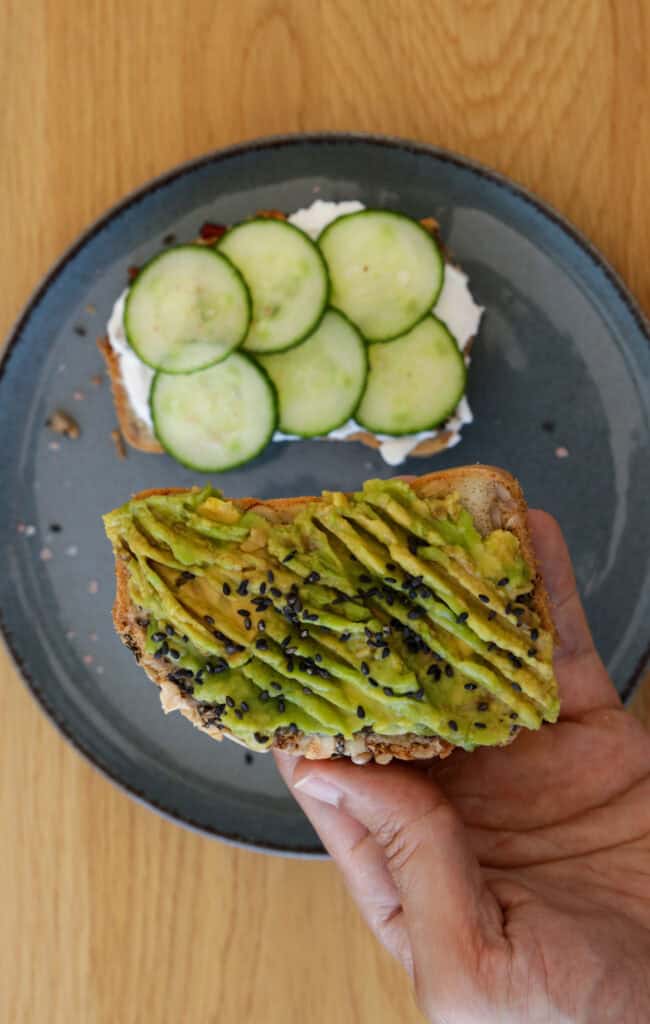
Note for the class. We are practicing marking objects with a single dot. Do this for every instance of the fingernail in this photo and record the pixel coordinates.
(319, 789)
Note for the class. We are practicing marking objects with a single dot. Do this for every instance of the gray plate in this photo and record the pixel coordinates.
(562, 360)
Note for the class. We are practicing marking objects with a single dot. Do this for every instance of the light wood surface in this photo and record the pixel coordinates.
(110, 914)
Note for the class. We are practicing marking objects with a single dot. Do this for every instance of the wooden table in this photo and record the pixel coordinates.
(110, 914)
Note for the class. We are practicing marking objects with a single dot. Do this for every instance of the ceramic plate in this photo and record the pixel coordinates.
(559, 385)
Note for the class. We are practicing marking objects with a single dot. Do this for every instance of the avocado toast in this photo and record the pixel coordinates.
(400, 621)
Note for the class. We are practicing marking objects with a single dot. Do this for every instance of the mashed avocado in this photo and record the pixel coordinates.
(379, 610)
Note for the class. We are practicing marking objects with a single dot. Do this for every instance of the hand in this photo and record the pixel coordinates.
(513, 884)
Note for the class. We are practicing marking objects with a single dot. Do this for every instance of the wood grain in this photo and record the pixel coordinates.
(109, 913)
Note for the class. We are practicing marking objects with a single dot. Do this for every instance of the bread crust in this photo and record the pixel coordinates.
(495, 499)
(139, 435)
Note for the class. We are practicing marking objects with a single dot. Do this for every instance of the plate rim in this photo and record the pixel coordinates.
(149, 187)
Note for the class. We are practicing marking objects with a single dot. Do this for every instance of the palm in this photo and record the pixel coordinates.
(537, 907)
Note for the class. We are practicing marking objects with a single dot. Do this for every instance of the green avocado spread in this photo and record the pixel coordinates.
(381, 610)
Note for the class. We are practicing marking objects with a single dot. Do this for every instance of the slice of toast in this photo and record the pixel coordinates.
(494, 499)
(139, 434)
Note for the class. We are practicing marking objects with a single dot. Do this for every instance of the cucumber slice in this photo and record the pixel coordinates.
(217, 418)
(188, 308)
(319, 382)
(386, 271)
(287, 276)
(414, 383)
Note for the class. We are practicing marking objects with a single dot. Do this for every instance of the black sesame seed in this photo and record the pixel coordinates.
(239, 714)
(282, 707)
(169, 630)
(483, 705)
(471, 686)
(361, 712)
(262, 645)
(514, 715)
(503, 582)
(514, 659)
(453, 725)
(345, 636)
(276, 592)
(248, 624)
(307, 690)
(390, 579)
(318, 657)
(262, 588)
(230, 702)
(415, 613)
(292, 728)
(388, 690)
(173, 653)
(491, 645)
(261, 625)
(391, 566)
(532, 651)
(364, 578)
(449, 671)
(364, 668)
(244, 612)
(231, 648)
(244, 706)
(248, 757)
(290, 665)
(463, 617)
(492, 615)
(313, 577)
(534, 633)
(480, 725)
(385, 652)
(270, 577)
(434, 671)
(158, 637)
(516, 687)
(287, 558)
(514, 729)
(418, 694)
(260, 738)
(80, 330)
(242, 589)
(226, 589)
(484, 598)
(264, 696)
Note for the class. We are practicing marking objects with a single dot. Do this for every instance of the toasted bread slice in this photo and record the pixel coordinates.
(495, 501)
(138, 433)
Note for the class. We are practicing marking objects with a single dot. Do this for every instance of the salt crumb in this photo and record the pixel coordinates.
(88, 659)
(72, 550)
(30, 530)
(562, 453)
(45, 554)
(93, 587)
(78, 396)
(54, 445)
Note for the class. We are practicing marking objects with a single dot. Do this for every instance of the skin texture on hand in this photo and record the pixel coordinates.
(513, 884)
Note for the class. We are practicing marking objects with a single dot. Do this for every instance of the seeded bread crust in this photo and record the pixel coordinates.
(495, 501)
(138, 434)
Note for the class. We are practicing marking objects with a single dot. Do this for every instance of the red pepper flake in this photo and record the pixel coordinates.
(133, 273)
(210, 231)
(562, 453)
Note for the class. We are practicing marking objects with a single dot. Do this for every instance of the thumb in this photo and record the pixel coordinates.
(414, 832)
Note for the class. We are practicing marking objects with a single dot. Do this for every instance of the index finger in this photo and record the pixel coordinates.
(582, 678)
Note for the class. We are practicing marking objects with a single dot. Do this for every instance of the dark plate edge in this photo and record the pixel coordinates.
(188, 167)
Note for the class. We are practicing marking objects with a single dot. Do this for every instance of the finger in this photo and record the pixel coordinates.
(425, 851)
(582, 677)
(361, 862)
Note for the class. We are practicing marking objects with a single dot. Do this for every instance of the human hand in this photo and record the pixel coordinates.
(513, 884)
